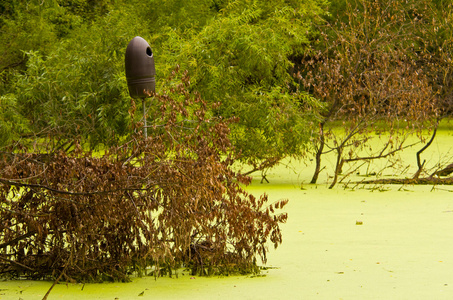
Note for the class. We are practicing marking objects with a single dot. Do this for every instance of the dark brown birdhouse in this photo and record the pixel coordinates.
(140, 69)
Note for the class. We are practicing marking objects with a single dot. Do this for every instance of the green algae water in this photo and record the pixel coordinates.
(402, 249)
(372, 242)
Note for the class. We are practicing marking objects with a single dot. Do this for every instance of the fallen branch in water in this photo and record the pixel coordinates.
(421, 181)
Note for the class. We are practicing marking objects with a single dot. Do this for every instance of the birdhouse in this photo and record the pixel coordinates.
(140, 69)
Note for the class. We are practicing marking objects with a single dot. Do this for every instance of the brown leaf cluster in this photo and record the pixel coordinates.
(378, 69)
(372, 65)
(146, 206)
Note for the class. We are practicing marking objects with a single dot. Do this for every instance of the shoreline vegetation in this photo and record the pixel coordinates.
(349, 87)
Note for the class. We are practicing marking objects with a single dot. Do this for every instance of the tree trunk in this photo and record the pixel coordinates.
(314, 179)
(338, 167)
(419, 163)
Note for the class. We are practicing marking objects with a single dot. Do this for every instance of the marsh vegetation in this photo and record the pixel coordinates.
(84, 196)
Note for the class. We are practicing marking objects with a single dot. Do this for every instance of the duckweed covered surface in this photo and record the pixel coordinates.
(338, 244)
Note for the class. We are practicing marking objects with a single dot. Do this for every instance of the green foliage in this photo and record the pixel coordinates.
(7, 9)
(241, 58)
(73, 94)
(183, 16)
(27, 29)
(87, 9)
(274, 124)
(77, 86)
(12, 123)
(65, 59)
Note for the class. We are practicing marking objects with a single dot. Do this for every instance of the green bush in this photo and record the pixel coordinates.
(12, 124)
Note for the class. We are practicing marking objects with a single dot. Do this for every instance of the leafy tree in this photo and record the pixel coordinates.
(367, 70)
(169, 201)
(241, 57)
(12, 124)
(435, 46)
(185, 17)
(87, 9)
(77, 91)
(25, 28)
(237, 52)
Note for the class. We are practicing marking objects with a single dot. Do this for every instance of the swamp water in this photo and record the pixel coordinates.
(373, 242)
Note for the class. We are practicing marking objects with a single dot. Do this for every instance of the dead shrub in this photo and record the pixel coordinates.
(146, 206)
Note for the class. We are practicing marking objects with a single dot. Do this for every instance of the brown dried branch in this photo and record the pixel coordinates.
(142, 204)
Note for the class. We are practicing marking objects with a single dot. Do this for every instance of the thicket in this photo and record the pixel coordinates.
(241, 58)
(374, 63)
(63, 67)
(146, 206)
(63, 73)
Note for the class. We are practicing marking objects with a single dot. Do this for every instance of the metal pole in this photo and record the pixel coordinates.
(144, 118)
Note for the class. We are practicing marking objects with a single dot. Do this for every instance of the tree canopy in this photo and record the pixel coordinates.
(63, 67)
(378, 62)
(279, 66)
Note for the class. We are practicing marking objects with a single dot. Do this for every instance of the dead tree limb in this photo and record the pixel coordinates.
(419, 163)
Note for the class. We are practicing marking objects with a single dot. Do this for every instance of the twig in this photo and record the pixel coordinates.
(22, 237)
(55, 282)
(39, 186)
(16, 263)
(419, 164)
